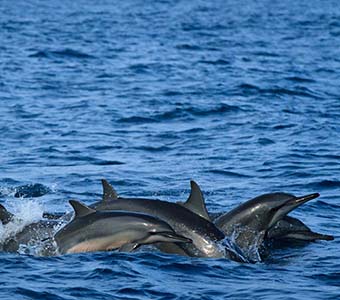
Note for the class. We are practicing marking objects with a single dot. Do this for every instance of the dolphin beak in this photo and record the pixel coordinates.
(290, 205)
(297, 201)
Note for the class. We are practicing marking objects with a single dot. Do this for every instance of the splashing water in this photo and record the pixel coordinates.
(250, 253)
(6, 191)
(46, 247)
(25, 213)
(232, 251)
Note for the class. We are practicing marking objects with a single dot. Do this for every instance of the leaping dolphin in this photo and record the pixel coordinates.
(94, 230)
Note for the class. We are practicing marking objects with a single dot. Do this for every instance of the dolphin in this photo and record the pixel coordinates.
(203, 233)
(94, 230)
(289, 228)
(35, 233)
(248, 224)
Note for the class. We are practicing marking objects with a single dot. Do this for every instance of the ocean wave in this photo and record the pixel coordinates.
(299, 91)
(25, 191)
(228, 173)
(324, 184)
(64, 53)
(182, 113)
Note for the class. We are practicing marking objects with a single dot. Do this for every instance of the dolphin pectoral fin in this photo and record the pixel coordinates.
(129, 247)
(109, 193)
(164, 237)
(172, 237)
(155, 238)
(195, 202)
(5, 215)
(80, 209)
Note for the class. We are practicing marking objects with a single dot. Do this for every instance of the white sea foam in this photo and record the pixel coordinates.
(250, 254)
(25, 213)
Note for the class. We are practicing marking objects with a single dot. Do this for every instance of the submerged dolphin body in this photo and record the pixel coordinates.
(203, 233)
(37, 233)
(93, 230)
(250, 222)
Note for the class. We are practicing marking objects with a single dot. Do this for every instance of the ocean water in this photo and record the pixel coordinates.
(241, 96)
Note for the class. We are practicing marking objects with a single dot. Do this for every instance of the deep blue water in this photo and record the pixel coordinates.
(242, 96)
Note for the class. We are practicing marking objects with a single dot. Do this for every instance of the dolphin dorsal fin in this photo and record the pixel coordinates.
(109, 193)
(195, 202)
(5, 215)
(80, 209)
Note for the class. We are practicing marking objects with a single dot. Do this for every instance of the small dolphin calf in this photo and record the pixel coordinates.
(250, 222)
(93, 230)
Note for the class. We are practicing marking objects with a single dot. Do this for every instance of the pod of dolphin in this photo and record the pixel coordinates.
(246, 233)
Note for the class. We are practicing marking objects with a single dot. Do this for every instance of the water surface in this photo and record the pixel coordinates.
(243, 97)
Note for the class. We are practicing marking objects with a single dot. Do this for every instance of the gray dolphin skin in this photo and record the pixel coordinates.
(94, 230)
(203, 233)
(250, 222)
(5, 215)
(196, 202)
(289, 228)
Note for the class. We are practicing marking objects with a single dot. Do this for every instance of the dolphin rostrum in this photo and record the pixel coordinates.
(250, 222)
(94, 230)
(203, 233)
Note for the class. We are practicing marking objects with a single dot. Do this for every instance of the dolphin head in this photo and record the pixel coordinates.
(262, 212)
(249, 223)
(284, 206)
